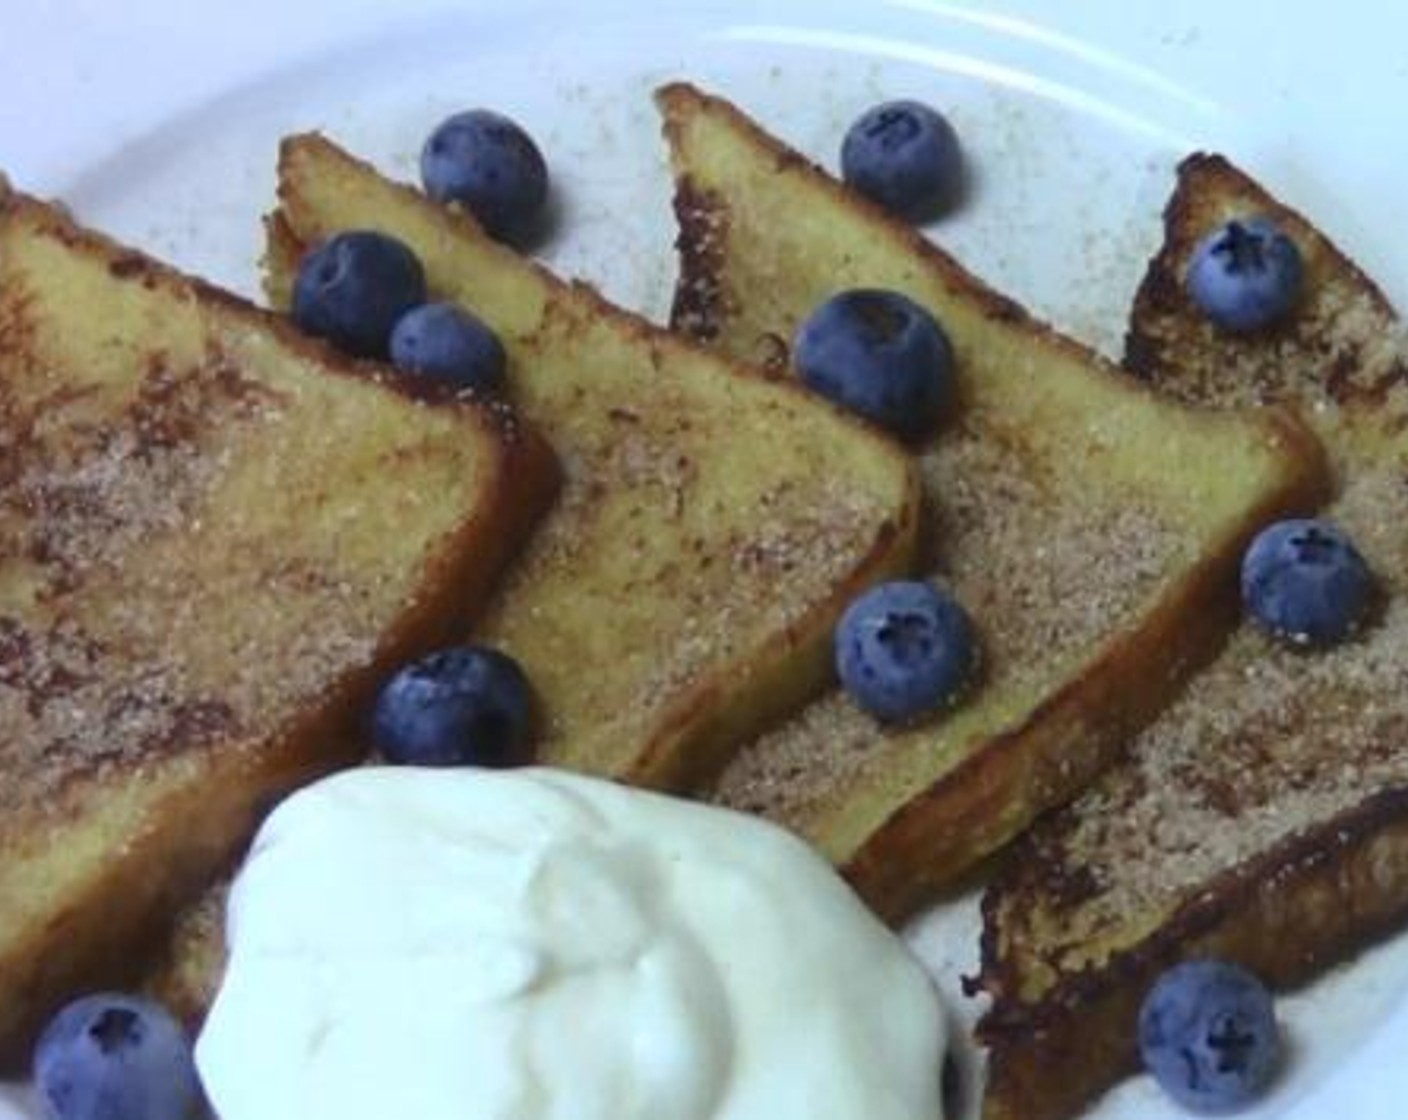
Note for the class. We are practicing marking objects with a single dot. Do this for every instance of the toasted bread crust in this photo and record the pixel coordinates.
(192, 802)
(1323, 891)
(1069, 735)
(1160, 308)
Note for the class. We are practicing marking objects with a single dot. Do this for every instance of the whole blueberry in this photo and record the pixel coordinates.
(111, 1056)
(353, 288)
(445, 342)
(904, 649)
(1246, 274)
(880, 354)
(1207, 1032)
(490, 166)
(1304, 581)
(905, 156)
(466, 706)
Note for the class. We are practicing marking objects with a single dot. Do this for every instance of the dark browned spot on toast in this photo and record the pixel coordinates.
(1342, 346)
(129, 266)
(84, 492)
(700, 299)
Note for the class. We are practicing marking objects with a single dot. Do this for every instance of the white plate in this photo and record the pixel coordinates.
(157, 121)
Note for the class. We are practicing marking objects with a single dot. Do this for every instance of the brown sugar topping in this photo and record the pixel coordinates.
(107, 656)
(1269, 744)
(1269, 741)
(1040, 570)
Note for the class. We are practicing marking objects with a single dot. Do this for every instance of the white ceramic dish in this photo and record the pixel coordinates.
(157, 121)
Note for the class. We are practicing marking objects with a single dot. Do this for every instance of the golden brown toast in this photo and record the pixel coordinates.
(215, 538)
(714, 522)
(1264, 816)
(1091, 528)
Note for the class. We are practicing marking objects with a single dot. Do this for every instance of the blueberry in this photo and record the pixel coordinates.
(879, 354)
(353, 288)
(904, 649)
(116, 1057)
(905, 156)
(1303, 580)
(466, 706)
(447, 343)
(1245, 275)
(1207, 1032)
(490, 166)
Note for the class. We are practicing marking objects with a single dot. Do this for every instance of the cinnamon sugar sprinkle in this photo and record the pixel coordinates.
(1042, 570)
(812, 548)
(1344, 349)
(137, 618)
(1267, 742)
(699, 552)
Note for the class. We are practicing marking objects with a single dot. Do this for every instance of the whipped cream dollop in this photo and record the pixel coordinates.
(457, 945)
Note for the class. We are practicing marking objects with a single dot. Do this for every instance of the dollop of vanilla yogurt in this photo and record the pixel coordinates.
(534, 945)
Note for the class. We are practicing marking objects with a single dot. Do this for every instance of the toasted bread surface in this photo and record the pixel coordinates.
(713, 525)
(217, 537)
(1264, 816)
(1091, 528)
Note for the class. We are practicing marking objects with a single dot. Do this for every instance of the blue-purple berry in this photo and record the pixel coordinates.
(1305, 582)
(464, 706)
(879, 354)
(1208, 1034)
(446, 343)
(905, 156)
(905, 649)
(353, 288)
(112, 1056)
(488, 164)
(1246, 274)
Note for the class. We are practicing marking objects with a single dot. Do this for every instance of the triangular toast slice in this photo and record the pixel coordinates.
(1091, 527)
(714, 522)
(1264, 817)
(216, 537)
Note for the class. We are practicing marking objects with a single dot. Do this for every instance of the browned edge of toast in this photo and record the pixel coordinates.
(699, 298)
(684, 750)
(1161, 291)
(103, 940)
(1288, 915)
(1082, 728)
(1301, 906)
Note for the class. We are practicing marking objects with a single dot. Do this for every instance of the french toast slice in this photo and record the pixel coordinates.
(1091, 528)
(1264, 817)
(216, 536)
(714, 522)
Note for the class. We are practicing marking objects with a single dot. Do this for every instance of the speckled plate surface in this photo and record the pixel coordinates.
(157, 121)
